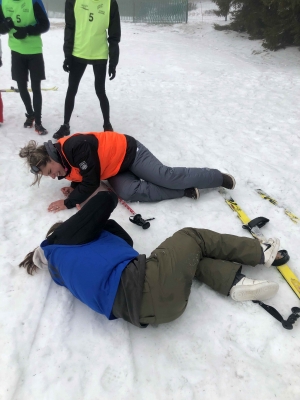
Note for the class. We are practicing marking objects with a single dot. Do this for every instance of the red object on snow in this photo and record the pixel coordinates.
(1, 109)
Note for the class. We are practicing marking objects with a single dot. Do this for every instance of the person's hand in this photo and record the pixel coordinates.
(1, 62)
(111, 72)
(78, 206)
(67, 64)
(9, 23)
(67, 190)
(21, 32)
(57, 206)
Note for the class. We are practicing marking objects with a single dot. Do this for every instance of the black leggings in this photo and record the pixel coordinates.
(75, 75)
(36, 98)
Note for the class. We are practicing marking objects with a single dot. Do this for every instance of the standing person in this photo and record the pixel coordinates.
(25, 21)
(132, 170)
(93, 258)
(1, 103)
(92, 35)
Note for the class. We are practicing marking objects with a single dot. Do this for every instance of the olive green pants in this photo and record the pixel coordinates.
(210, 257)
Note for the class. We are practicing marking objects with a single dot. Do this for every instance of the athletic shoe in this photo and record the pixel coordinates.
(29, 120)
(40, 129)
(192, 193)
(228, 181)
(108, 127)
(64, 130)
(251, 289)
(270, 249)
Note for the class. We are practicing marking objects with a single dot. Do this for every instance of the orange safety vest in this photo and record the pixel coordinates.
(112, 148)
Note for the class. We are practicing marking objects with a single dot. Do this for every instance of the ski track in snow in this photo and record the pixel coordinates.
(195, 97)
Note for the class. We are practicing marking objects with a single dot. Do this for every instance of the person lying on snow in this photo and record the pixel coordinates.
(132, 170)
(93, 257)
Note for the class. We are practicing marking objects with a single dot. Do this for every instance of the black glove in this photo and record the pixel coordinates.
(9, 23)
(67, 64)
(111, 72)
(21, 32)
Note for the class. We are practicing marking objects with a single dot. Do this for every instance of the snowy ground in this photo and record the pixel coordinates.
(195, 97)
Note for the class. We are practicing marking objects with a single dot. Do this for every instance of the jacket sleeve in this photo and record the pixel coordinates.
(86, 159)
(114, 33)
(69, 28)
(41, 17)
(114, 228)
(86, 225)
(3, 27)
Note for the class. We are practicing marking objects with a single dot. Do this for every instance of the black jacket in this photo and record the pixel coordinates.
(84, 148)
(114, 32)
(86, 226)
(41, 17)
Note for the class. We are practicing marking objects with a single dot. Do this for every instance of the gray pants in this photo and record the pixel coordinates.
(210, 257)
(149, 180)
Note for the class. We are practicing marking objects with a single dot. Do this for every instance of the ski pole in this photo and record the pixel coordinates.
(287, 324)
(135, 218)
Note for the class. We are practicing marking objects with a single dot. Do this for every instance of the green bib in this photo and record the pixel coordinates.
(92, 21)
(21, 12)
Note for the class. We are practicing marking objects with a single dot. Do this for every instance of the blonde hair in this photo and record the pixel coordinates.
(35, 156)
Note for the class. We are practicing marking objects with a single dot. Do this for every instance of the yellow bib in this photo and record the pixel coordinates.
(92, 21)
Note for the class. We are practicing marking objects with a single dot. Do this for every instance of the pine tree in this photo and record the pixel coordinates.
(224, 7)
(282, 23)
(276, 22)
(247, 17)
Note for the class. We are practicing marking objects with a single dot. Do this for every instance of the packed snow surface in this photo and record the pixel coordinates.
(195, 97)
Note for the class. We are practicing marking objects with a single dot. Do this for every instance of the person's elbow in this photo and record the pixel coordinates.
(45, 26)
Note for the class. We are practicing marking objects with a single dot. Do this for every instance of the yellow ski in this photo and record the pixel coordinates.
(265, 196)
(15, 90)
(285, 270)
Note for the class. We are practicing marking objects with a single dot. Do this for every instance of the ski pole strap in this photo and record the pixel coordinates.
(287, 324)
(138, 220)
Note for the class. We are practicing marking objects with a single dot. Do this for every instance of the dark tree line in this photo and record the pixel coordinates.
(276, 22)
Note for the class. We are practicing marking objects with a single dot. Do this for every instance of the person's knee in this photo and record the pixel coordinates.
(36, 86)
(22, 84)
(123, 193)
(100, 92)
(186, 231)
(72, 90)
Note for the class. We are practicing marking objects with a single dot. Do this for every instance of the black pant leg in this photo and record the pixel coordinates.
(37, 100)
(22, 86)
(100, 76)
(75, 75)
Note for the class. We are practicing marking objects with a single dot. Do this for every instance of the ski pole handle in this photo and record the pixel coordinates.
(138, 220)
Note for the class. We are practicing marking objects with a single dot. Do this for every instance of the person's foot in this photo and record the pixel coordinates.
(192, 193)
(250, 289)
(40, 129)
(29, 120)
(228, 181)
(64, 130)
(108, 127)
(270, 249)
